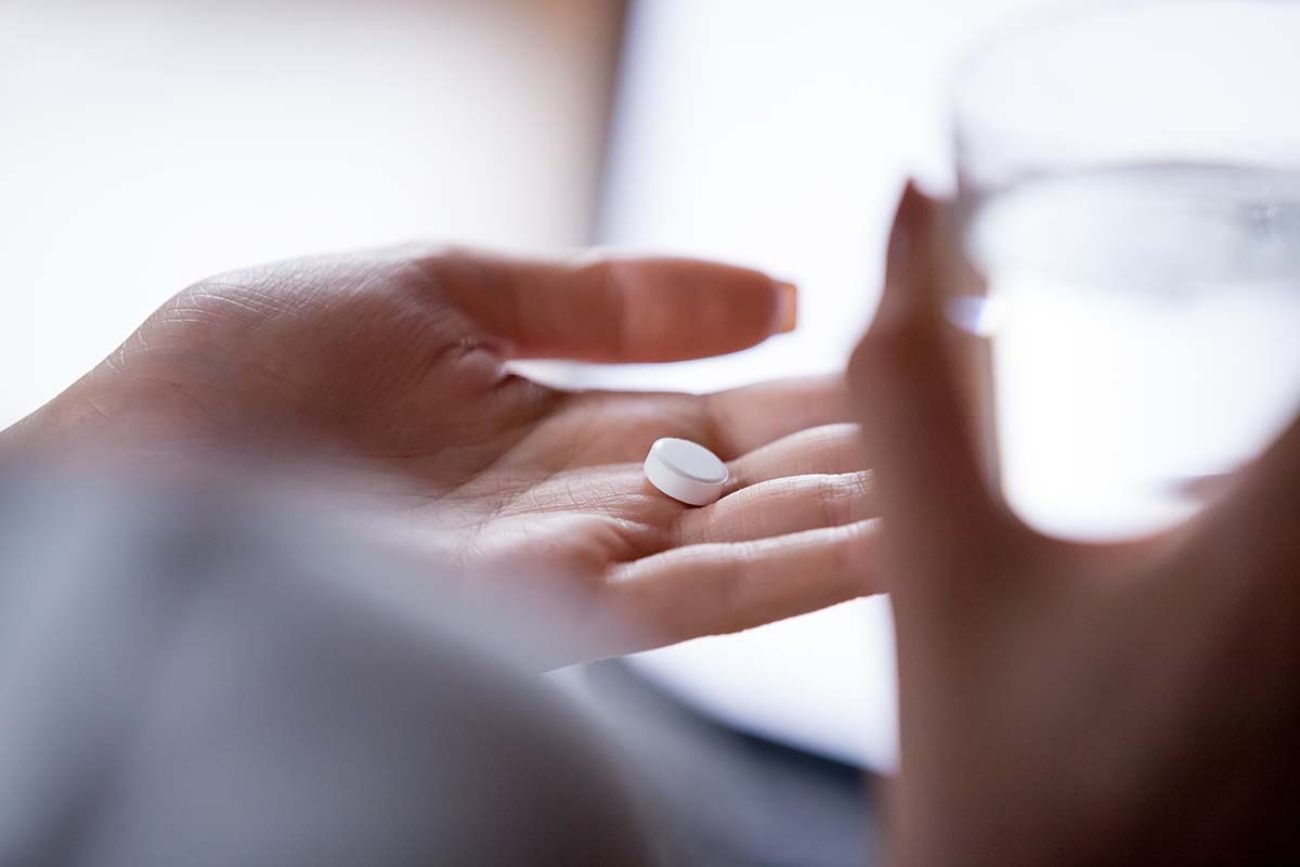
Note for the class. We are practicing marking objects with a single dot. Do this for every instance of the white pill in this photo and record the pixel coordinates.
(685, 471)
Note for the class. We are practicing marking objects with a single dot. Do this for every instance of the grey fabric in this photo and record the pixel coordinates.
(192, 677)
(723, 798)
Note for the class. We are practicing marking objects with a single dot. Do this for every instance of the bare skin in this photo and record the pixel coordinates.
(398, 358)
(1061, 703)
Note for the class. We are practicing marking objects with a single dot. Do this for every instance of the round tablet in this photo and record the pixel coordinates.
(685, 471)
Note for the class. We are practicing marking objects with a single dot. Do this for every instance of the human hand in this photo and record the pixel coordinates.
(399, 357)
(1064, 703)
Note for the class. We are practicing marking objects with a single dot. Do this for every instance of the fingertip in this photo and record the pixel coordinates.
(786, 317)
(911, 252)
(683, 308)
(902, 231)
(910, 376)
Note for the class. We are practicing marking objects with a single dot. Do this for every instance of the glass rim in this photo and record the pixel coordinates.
(991, 107)
(1039, 21)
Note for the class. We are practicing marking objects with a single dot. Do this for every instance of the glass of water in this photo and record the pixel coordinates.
(1129, 205)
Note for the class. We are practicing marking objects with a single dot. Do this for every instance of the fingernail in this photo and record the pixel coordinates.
(787, 307)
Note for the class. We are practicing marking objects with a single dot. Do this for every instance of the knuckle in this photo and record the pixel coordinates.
(841, 498)
(835, 500)
(727, 593)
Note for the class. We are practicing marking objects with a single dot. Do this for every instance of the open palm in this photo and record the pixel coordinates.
(400, 357)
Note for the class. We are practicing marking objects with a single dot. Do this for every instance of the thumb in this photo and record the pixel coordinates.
(1255, 526)
(939, 509)
(615, 309)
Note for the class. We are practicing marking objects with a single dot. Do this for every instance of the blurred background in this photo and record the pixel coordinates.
(149, 143)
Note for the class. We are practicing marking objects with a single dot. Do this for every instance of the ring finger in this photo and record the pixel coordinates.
(779, 506)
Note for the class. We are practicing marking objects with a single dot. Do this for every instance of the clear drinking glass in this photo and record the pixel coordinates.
(1129, 206)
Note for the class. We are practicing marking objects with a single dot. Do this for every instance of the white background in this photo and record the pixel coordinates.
(148, 144)
(145, 144)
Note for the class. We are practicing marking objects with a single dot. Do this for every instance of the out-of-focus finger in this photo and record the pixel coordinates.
(614, 309)
(942, 516)
(1253, 525)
